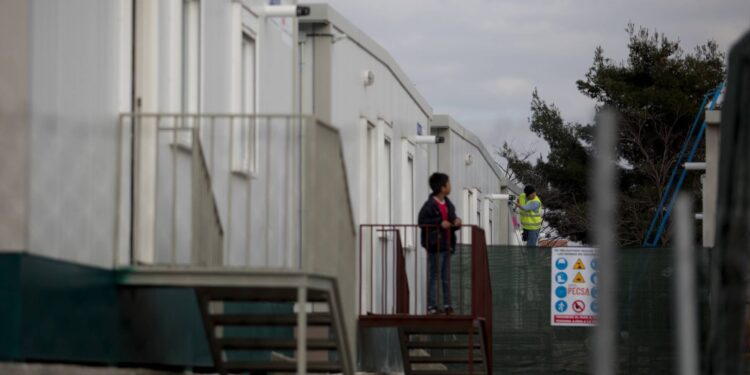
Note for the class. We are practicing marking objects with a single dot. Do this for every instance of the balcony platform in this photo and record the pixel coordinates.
(400, 320)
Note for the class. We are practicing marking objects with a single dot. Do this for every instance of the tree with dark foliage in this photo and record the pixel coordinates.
(657, 90)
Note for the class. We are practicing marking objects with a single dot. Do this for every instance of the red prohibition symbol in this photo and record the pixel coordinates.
(579, 306)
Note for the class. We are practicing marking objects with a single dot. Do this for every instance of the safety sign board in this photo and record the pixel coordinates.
(574, 293)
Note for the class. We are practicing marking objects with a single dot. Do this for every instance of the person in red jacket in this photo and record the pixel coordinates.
(438, 222)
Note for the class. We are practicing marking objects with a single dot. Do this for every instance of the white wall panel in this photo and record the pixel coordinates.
(76, 78)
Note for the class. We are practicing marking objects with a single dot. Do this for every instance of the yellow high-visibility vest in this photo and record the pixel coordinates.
(530, 220)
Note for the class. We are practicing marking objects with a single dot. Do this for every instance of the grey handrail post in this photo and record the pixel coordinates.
(302, 330)
(118, 192)
(195, 197)
(342, 334)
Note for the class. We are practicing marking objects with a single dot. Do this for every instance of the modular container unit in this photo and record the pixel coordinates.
(475, 177)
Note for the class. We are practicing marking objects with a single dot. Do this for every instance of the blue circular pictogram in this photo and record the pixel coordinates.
(595, 278)
(595, 306)
(561, 278)
(561, 306)
(561, 292)
(561, 263)
(595, 292)
(594, 264)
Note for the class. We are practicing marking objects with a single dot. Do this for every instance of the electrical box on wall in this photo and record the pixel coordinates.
(368, 78)
(468, 159)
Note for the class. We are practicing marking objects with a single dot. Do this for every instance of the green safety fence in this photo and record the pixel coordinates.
(526, 342)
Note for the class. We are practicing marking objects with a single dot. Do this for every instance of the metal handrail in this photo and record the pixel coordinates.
(218, 114)
(669, 193)
(481, 289)
(207, 230)
(397, 300)
(151, 147)
(286, 157)
(674, 170)
(172, 146)
(191, 277)
(382, 249)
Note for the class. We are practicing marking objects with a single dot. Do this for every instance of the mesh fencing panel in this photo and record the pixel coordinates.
(525, 342)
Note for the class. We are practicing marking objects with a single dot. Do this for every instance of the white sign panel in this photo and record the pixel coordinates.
(574, 293)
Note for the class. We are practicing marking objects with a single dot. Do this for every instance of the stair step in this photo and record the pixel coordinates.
(441, 345)
(461, 359)
(437, 330)
(260, 294)
(314, 367)
(314, 319)
(478, 371)
(229, 343)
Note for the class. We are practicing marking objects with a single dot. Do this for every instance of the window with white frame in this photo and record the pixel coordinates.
(409, 190)
(466, 209)
(245, 132)
(191, 30)
(478, 207)
(387, 168)
(491, 222)
(467, 198)
(371, 172)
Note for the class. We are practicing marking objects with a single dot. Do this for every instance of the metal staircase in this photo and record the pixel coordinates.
(218, 324)
(444, 347)
(313, 335)
(181, 232)
(679, 172)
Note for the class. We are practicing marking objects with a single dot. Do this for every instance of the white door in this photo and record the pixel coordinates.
(408, 215)
(385, 208)
(146, 99)
(368, 178)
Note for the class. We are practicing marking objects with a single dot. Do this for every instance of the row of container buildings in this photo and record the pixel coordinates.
(158, 158)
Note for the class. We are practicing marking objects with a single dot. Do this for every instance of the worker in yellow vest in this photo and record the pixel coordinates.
(531, 215)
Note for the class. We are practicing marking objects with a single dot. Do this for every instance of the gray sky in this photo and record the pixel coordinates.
(479, 60)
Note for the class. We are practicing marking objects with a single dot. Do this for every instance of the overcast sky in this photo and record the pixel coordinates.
(479, 60)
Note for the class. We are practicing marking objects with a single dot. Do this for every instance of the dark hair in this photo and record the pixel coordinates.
(437, 181)
(529, 189)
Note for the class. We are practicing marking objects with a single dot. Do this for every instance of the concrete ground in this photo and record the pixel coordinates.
(10, 368)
